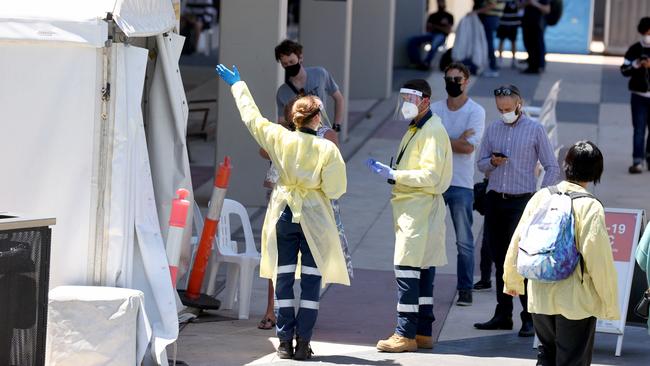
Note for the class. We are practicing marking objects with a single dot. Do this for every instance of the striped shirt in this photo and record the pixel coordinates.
(511, 14)
(524, 143)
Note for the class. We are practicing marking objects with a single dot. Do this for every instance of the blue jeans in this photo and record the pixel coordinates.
(414, 301)
(291, 241)
(460, 202)
(640, 122)
(490, 24)
(415, 43)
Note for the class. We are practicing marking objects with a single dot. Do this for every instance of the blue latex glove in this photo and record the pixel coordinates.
(380, 169)
(230, 77)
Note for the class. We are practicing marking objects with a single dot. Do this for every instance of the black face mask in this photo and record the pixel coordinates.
(292, 70)
(453, 89)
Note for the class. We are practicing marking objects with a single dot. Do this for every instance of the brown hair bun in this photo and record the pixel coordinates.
(304, 110)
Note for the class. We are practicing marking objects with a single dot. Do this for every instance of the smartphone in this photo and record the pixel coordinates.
(499, 155)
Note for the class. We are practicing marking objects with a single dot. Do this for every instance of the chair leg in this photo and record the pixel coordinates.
(213, 271)
(245, 289)
(231, 286)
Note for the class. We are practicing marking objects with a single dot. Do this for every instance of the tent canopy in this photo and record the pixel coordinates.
(80, 21)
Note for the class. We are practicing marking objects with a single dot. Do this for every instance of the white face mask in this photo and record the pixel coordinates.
(645, 39)
(509, 117)
(409, 110)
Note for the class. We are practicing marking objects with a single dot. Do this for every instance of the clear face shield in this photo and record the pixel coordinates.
(408, 104)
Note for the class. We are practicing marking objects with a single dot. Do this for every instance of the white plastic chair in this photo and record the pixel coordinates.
(241, 265)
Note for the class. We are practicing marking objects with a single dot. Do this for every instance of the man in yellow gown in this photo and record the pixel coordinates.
(422, 173)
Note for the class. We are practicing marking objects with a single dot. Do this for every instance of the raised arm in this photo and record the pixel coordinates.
(266, 133)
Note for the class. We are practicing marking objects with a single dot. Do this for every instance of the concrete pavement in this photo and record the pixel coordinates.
(593, 104)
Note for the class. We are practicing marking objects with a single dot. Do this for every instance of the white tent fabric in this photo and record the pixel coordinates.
(165, 126)
(93, 175)
(79, 21)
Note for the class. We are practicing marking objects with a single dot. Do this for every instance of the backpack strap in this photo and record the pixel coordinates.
(575, 195)
(554, 190)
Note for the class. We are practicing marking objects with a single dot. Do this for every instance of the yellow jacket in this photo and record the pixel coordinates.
(312, 172)
(422, 176)
(574, 297)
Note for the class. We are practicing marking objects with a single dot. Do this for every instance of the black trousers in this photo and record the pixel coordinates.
(501, 218)
(564, 342)
(533, 37)
(486, 258)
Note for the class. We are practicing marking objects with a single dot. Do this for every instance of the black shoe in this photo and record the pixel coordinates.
(464, 298)
(483, 285)
(527, 329)
(530, 71)
(285, 349)
(495, 323)
(636, 169)
(303, 350)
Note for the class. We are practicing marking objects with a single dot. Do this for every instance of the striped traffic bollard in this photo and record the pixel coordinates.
(177, 220)
(192, 296)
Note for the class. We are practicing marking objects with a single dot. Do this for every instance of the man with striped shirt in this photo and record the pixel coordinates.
(510, 151)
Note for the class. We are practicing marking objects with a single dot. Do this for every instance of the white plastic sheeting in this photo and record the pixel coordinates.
(96, 326)
(79, 21)
(167, 114)
(136, 251)
(49, 133)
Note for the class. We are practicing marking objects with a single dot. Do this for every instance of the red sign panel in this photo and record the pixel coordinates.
(620, 227)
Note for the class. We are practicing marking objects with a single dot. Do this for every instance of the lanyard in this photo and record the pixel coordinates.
(401, 153)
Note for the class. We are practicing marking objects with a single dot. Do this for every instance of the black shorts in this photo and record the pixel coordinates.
(507, 32)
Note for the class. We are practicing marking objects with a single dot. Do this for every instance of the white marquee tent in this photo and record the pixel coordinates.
(92, 129)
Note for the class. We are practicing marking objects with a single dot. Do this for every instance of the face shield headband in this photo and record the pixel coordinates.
(408, 104)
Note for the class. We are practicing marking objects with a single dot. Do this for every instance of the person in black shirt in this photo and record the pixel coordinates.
(533, 25)
(636, 66)
(438, 28)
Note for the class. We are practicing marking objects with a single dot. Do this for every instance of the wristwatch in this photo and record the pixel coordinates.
(336, 127)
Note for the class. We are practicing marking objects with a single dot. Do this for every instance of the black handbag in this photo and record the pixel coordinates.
(480, 196)
(643, 307)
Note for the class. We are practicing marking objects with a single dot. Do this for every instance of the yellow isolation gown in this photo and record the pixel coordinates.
(422, 176)
(312, 172)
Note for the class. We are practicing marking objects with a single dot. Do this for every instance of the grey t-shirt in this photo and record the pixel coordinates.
(319, 83)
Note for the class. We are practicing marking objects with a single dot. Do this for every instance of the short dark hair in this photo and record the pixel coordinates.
(583, 163)
(644, 25)
(287, 47)
(419, 85)
(458, 66)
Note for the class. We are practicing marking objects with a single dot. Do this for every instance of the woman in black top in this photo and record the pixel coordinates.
(636, 66)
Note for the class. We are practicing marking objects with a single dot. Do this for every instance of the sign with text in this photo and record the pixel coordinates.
(624, 229)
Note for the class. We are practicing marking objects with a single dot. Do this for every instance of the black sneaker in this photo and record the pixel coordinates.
(483, 285)
(303, 350)
(636, 169)
(285, 349)
(464, 298)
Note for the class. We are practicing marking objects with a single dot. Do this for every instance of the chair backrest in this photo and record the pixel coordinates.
(547, 112)
(225, 244)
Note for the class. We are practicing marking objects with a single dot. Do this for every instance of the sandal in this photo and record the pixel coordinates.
(266, 323)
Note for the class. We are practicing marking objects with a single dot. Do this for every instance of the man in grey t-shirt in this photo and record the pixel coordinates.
(300, 80)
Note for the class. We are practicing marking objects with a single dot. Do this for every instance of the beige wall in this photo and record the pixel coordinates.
(247, 39)
(371, 65)
(325, 33)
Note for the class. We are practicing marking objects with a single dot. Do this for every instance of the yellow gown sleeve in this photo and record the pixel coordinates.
(597, 254)
(512, 280)
(433, 156)
(333, 175)
(266, 133)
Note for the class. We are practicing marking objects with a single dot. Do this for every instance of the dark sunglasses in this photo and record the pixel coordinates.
(505, 92)
(453, 79)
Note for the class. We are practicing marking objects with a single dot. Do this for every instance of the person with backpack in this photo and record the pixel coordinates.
(509, 151)
(566, 223)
